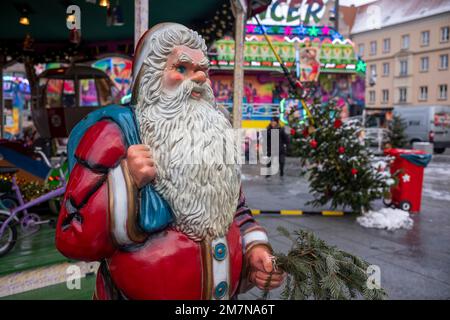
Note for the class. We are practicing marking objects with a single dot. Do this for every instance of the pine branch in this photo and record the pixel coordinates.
(316, 270)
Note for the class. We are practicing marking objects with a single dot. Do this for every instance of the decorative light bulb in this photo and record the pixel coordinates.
(104, 3)
(24, 20)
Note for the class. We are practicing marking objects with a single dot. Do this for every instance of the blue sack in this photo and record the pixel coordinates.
(155, 213)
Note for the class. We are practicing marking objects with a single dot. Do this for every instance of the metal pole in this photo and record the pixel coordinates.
(238, 86)
(1, 97)
(336, 13)
(140, 19)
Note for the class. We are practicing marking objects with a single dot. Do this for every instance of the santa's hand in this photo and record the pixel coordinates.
(140, 164)
(262, 272)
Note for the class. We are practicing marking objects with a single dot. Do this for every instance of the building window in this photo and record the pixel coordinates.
(361, 49)
(443, 62)
(443, 92)
(403, 92)
(445, 34)
(386, 69)
(425, 38)
(423, 93)
(403, 67)
(385, 93)
(424, 64)
(373, 48)
(372, 96)
(386, 45)
(405, 41)
(373, 70)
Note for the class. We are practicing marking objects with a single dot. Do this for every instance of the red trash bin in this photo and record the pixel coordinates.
(407, 195)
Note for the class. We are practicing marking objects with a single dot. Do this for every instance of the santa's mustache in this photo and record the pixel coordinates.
(204, 90)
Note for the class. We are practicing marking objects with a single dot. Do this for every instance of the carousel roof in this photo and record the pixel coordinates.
(76, 71)
(48, 18)
(46, 38)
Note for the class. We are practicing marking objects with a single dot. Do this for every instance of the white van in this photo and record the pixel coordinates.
(427, 124)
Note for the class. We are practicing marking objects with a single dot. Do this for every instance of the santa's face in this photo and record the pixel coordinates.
(184, 64)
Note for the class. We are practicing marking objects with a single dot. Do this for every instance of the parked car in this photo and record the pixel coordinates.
(427, 124)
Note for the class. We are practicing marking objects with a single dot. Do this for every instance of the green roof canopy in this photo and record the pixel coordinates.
(48, 18)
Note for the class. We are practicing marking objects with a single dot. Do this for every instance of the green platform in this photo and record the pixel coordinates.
(37, 250)
(34, 252)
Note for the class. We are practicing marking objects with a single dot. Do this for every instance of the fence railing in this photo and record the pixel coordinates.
(255, 111)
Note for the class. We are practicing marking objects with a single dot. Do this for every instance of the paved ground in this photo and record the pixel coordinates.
(415, 264)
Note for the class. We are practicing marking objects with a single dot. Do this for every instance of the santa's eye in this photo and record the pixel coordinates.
(181, 69)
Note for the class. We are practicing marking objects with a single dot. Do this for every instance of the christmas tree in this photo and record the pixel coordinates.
(396, 133)
(338, 162)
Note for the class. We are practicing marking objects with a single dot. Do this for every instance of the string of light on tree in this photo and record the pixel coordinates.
(321, 32)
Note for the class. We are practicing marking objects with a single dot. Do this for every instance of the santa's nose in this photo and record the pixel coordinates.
(199, 77)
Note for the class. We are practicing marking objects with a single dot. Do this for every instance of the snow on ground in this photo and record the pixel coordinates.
(438, 171)
(386, 218)
(436, 181)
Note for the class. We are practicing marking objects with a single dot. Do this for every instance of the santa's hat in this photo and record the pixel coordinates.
(143, 48)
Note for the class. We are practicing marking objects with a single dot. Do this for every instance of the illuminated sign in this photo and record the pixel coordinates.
(292, 12)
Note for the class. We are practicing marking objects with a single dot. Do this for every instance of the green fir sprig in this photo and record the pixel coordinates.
(316, 270)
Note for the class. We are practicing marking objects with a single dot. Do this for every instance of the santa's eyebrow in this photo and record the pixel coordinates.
(204, 63)
(183, 58)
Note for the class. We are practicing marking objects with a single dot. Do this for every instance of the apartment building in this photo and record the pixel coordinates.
(406, 45)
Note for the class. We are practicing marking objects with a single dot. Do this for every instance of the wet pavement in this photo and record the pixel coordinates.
(415, 264)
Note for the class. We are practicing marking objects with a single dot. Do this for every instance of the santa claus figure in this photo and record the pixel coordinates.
(150, 194)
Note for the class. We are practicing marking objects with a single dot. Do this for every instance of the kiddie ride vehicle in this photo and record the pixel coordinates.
(28, 222)
(65, 95)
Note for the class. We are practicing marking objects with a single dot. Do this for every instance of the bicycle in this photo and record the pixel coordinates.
(29, 222)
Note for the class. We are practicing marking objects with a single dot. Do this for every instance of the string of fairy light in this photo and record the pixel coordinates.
(29, 189)
(221, 24)
(63, 53)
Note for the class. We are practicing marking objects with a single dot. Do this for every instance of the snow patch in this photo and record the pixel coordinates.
(386, 218)
(436, 194)
(437, 171)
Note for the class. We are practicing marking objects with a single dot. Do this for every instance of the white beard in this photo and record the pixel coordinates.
(203, 195)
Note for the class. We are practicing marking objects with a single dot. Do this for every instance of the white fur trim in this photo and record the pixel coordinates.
(221, 269)
(256, 235)
(120, 207)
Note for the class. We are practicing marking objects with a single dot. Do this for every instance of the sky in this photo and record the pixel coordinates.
(355, 2)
